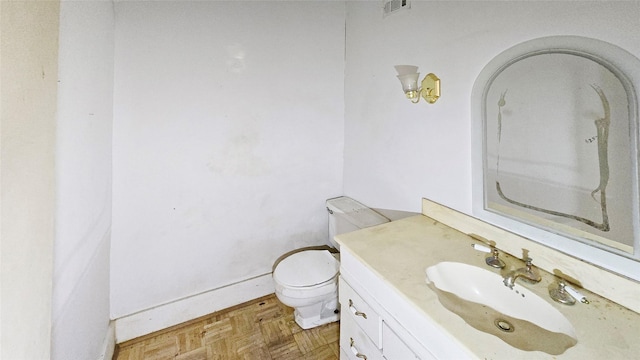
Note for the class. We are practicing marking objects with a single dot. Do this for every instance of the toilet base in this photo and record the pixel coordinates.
(308, 317)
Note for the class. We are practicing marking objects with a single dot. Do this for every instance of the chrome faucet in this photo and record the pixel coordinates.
(527, 273)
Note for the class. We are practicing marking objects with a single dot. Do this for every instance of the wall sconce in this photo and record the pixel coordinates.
(429, 89)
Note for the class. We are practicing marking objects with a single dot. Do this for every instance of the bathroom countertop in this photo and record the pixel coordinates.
(399, 252)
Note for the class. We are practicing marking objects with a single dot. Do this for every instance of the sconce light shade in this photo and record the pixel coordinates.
(408, 76)
(406, 69)
(409, 81)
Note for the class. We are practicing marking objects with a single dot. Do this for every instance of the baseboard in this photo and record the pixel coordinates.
(109, 344)
(179, 311)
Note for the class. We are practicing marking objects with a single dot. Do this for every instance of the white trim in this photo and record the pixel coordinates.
(109, 344)
(189, 308)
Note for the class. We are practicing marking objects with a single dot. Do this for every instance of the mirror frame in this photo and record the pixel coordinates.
(627, 68)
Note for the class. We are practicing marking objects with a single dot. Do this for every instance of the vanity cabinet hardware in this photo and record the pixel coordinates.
(355, 341)
(359, 311)
(355, 311)
(355, 351)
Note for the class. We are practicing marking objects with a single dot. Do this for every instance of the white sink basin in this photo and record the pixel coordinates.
(517, 316)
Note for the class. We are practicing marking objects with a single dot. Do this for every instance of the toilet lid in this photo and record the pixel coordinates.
(306, 268)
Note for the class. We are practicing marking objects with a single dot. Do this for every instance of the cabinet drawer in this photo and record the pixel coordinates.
(393, 348)
(355, 344)
(343, 354)
(354, 307)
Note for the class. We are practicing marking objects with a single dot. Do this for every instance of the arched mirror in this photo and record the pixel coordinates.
(556, 148)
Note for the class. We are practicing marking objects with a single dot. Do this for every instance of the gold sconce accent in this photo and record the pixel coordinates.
(429, 89)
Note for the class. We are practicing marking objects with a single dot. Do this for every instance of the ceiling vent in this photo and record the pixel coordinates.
(393, 6)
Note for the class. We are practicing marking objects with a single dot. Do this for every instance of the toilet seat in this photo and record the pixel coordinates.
(306, 269)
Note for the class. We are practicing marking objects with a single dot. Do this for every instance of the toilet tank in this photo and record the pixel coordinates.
(346, 214)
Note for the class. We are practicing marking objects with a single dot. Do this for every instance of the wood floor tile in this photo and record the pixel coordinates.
(309, 340)
(260, 329)
(286, 350)
(197, 354)
(324, 352)
(131, 352)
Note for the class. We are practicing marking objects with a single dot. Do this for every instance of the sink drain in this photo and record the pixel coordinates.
(504, 325)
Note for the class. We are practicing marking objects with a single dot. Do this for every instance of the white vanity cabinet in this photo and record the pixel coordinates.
(379, 323)
(395, 348)
(360, 326)
(366, 331)
(382, 272)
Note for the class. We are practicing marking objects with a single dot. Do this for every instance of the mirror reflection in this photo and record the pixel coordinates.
(558, 148)
(555, 140)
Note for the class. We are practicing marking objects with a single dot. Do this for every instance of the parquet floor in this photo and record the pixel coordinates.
(260, 329)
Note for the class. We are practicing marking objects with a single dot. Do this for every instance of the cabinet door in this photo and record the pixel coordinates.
(354, 306)
(354, 342)
(393, 348)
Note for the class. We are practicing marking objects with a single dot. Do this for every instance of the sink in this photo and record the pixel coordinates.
(516, 315)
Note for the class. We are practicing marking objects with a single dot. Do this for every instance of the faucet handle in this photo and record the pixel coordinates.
(560, 294)
(493, 260)
(483, 248)
(533, 275)
(528, 263)
(573, 292)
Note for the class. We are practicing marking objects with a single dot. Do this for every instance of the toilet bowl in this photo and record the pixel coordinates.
(307, 280)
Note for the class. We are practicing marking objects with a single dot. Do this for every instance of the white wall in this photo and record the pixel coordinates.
(83, 180)
(29, 59)
(228, 137)
(397, 152)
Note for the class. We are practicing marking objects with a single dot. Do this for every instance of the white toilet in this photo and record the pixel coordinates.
(308, 280)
